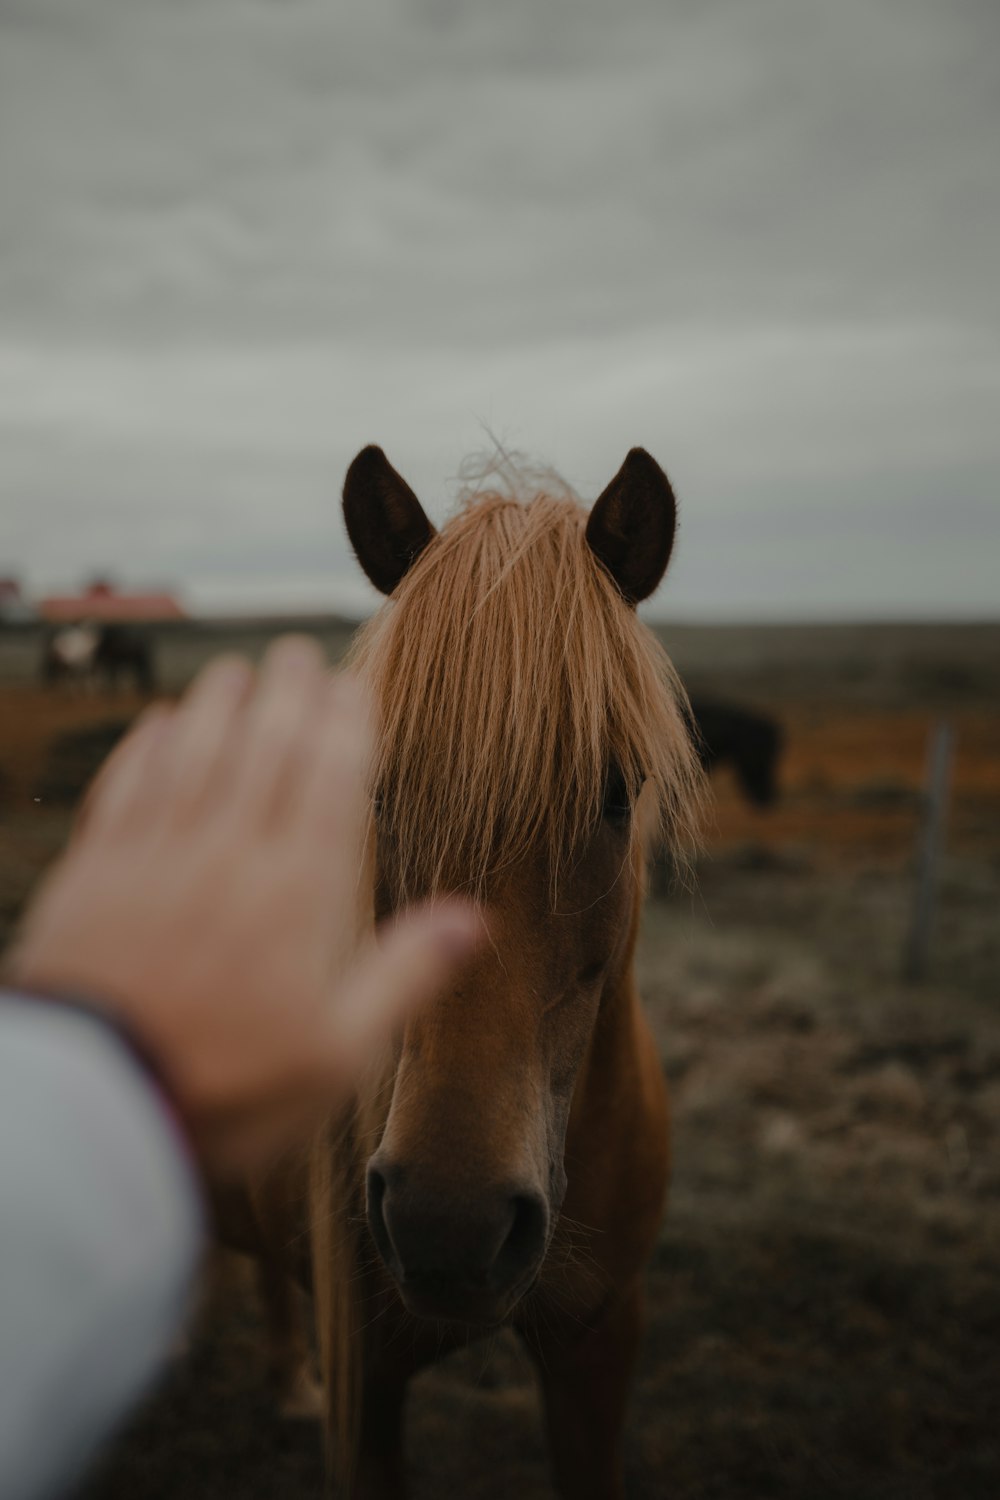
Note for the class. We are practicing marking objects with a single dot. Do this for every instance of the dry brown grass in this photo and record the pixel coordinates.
(824, 1306)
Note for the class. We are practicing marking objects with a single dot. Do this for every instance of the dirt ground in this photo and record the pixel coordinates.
(824, 1302)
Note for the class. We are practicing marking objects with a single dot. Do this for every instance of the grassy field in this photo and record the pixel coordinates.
(824, 1303)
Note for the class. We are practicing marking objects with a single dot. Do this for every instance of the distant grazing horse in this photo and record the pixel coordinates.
(84, 654)
(508, 1163)
(125, 651)
(751, 742)
(68, 655)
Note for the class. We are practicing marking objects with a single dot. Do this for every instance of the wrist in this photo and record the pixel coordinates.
(104, 1014)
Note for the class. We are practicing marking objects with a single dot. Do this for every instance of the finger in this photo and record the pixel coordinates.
(333, 800)
(121, 789)
(278, 725)
(204, 742)
(416, 957)
(420, 953)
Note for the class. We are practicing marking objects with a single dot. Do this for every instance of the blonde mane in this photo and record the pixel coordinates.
(509, 676)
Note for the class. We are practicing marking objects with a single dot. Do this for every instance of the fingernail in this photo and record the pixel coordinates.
(459, 929)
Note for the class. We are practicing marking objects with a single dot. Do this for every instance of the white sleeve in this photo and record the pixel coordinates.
(100, 1230)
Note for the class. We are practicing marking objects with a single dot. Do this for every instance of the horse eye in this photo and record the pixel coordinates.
(617, 807)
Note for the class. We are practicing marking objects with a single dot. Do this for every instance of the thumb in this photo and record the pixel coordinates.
(413, 959)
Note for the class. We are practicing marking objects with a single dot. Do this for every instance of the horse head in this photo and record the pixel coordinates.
(529, 739)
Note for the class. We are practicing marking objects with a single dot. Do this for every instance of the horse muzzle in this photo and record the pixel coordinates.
(461, 1257)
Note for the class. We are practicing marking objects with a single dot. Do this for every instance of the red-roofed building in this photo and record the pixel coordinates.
(102, 601)
(14, 608)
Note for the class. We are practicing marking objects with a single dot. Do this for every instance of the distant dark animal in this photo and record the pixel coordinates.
(750, 742)
(124, 650)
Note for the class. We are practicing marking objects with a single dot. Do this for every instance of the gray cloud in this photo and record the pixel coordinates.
(243, 238)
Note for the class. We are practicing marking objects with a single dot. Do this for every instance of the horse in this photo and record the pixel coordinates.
(506, 1163)
(752, 742)
(123, 649)
(68, 656)
(82, 654)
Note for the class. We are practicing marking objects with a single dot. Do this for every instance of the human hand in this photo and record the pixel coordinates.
(210, 902)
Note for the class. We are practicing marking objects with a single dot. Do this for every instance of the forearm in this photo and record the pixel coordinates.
(100, 1229)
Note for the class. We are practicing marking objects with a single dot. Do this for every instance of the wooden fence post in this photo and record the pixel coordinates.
(935, 807)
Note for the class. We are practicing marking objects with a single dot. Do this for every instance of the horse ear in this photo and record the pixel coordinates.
(631, 527)
(385, 520)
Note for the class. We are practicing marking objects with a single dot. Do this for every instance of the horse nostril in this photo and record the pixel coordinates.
(446, 1251)
(525, 1239)
(376, 1214)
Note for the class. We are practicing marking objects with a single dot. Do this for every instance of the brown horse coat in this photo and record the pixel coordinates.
(509, 1162)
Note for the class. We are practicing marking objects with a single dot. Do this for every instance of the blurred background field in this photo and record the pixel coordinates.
(825, 1301)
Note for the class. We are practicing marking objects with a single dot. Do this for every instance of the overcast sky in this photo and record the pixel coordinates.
(241, 238)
